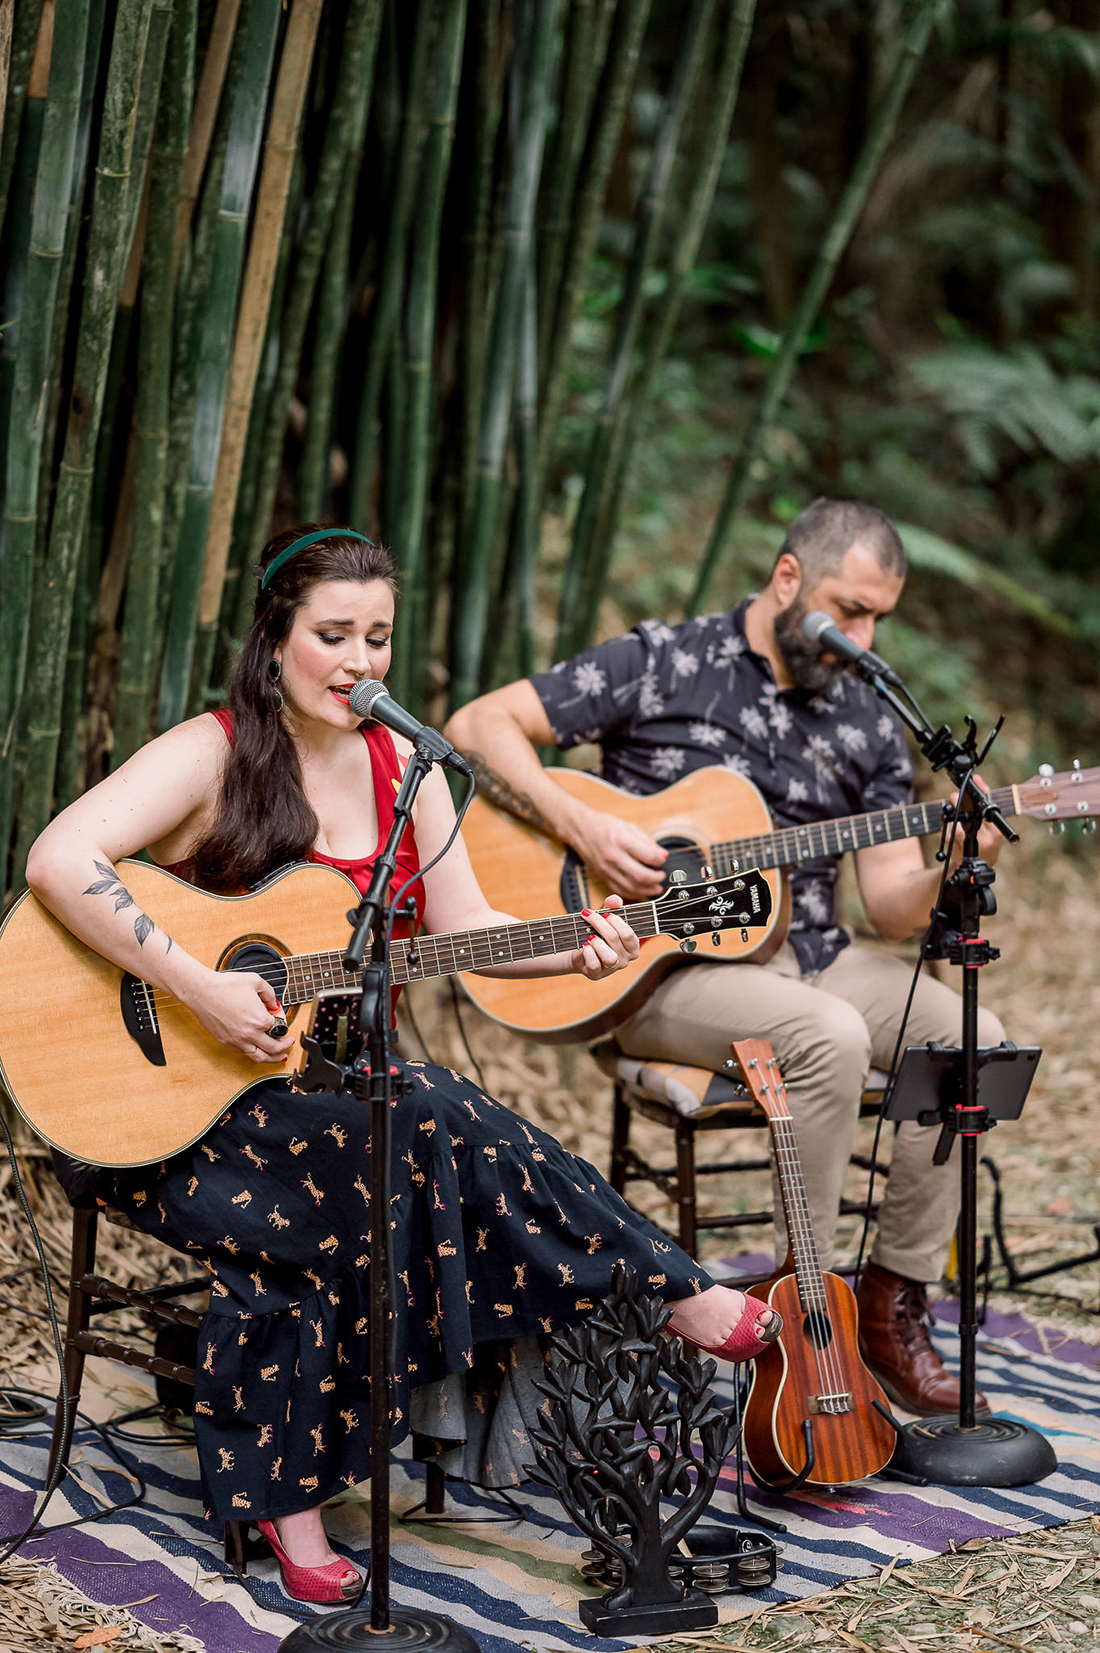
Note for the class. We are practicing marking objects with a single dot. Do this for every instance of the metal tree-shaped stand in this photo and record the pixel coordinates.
(618, 1439)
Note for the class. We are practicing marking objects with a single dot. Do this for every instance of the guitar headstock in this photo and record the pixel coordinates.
(1072, 795)
(740, 901)
(755, 1061)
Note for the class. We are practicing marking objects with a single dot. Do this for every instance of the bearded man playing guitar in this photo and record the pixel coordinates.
(746, 691)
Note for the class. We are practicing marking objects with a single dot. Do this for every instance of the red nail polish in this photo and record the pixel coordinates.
(586, 912)
(591, 938)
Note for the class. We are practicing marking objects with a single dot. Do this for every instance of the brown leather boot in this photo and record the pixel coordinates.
(894, 1342)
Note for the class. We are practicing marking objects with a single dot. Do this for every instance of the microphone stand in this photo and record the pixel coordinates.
(374, 1080)
(992, 1452)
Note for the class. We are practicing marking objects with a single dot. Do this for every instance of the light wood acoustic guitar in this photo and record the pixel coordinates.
(813, 1415)
(713, 823)
(117, 1072)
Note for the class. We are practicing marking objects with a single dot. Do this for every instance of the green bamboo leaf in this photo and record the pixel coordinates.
(933, 555)
(259, 33)
(835, 240)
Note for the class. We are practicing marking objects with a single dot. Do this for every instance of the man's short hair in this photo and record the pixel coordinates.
(821, 536)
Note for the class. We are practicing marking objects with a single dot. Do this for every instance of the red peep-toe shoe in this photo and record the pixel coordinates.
(742, 1343)
(339, 1581)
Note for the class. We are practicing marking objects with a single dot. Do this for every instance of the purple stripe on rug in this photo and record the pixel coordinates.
(897, 1516)
(1058, 1345)
(81, 1559)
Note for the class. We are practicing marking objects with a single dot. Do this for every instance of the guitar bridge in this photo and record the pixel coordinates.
(831, 1405)
(139, 1018)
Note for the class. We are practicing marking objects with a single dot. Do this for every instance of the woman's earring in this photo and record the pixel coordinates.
(274, 672)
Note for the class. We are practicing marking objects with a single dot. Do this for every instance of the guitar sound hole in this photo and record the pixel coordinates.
(683, 856)
(266, 962)
(817, 1330)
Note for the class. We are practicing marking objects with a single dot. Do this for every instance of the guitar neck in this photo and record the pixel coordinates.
(788, 846)
(414, 959)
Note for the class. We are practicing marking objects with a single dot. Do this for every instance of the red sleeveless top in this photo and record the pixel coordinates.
(387, 769)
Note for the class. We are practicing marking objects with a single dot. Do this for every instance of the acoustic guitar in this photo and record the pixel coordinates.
(118, 1072)
(712, 822)
(812, 1413)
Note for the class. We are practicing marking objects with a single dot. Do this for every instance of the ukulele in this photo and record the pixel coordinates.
(115, 1071)
(712, 822)
(813, 1412)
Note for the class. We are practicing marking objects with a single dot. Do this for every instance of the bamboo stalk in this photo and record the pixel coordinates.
(472, 593)
(517, 606)
(53, 184)
(268, 217)
(838, 234)
(409, 529)
(133, 705)
(387, 299)
(343, 135)
(705, 169)
(259, 35)
(589, 558)
(476, 295)
(7, 25)
(23, 42)
(106, 262)
(603, 137)
(215, 67)
(332, 299)
(585, 50)
(17, 248)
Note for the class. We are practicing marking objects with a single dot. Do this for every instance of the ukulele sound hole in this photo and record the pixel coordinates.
(817, 1331)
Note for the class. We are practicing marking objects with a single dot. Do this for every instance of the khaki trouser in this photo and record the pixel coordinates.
(827, 1031)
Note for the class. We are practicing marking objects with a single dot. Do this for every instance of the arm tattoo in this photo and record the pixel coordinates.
(111, 884)
(493, 786)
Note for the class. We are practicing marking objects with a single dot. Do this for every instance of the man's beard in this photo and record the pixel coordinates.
(801, 657)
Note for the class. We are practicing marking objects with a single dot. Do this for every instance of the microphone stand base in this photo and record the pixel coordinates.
(997, 1452)
(411, 1630)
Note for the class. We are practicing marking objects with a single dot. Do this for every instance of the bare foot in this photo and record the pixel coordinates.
(305, 1540)
(709, 1318)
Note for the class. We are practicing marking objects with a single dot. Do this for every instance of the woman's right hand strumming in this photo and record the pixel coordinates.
(238, 1007)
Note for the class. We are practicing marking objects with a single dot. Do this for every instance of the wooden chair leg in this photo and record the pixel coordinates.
(435, 1488)
(85, 1224)
(685, 1186)
(620, 1140)
(236, 1552)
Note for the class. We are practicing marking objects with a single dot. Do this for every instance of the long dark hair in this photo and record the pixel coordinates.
(264, 819)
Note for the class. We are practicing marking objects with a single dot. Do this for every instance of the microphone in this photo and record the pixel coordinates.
(821, 629)
(369, 698)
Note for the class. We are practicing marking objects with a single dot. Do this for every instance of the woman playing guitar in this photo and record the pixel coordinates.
(499, 1234)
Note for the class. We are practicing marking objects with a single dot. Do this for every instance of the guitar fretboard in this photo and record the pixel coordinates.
(787, 846)
(309, 974)
(796, 1207)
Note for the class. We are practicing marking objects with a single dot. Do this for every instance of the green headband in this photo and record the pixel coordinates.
(276, 563)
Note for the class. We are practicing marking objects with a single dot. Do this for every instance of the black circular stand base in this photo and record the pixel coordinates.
(997, 1452)
(410, 1631)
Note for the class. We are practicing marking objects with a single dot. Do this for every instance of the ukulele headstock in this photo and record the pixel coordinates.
(756, 1062)
(740, 901)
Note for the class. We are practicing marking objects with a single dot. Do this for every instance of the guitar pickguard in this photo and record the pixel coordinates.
(684, 857)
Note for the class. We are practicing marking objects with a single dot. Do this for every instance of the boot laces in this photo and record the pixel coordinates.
(912, 1317)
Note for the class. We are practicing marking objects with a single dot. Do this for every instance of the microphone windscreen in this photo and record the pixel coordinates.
(364, 695)
(817, 622)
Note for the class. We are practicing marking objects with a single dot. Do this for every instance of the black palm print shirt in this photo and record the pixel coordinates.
(664, 700)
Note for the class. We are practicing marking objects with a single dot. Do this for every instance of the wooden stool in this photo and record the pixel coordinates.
(687, 1100)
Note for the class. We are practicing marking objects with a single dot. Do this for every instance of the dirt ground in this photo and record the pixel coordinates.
(1019, 1593)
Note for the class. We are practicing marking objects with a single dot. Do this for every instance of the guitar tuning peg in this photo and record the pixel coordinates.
(1077, 763)
(1046, 769)
(1056, 827)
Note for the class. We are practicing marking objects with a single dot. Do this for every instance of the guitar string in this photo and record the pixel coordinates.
(644, 918)
(803, 1237)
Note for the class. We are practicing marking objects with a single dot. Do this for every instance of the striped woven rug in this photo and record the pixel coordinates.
(514, 1585)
